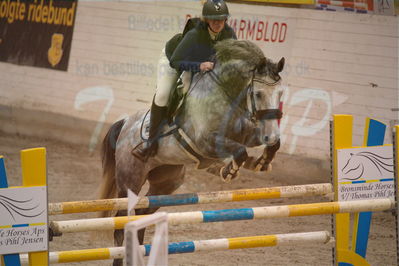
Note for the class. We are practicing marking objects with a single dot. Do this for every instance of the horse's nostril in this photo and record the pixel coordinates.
(266, 138)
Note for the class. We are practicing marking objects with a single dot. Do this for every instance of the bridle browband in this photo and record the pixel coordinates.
(267, 83)
(264, 114)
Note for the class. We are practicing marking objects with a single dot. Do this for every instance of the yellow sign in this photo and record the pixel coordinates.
(55, 51)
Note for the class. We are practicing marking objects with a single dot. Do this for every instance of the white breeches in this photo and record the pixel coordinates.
(166, 80)
(186, 79)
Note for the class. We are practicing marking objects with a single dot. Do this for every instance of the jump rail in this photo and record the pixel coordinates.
(192, 198)
(97, 224)
(320, 237)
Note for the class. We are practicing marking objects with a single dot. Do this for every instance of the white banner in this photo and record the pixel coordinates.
(23, 220)
(365, 173)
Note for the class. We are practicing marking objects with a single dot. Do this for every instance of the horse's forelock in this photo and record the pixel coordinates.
(262, 66)
(266, 66)
(239, 50)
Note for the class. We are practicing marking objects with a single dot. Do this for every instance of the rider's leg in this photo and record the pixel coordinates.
(166, 79)
(186, 79)
(157, 120)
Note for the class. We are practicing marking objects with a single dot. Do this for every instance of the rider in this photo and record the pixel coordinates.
(192, 54)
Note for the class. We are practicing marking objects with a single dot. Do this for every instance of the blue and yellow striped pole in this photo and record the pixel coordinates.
(192, 198)
(111, 223)
(320, 237)
(374, 134)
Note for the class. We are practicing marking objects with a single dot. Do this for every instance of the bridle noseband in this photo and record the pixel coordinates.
(264, 114)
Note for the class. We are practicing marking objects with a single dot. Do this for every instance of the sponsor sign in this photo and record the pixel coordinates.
(37, 33)
(23, 220)
(365, 173)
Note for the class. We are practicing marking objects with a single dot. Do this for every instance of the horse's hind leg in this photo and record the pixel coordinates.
(129, 176)
(119, 233)
(163, 180)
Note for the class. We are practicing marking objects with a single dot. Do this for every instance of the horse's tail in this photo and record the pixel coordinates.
(108, 186)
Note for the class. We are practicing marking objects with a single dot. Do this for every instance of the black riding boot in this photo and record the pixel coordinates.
(149, 147)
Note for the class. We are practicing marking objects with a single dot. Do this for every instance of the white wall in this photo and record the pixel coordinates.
(336, 63)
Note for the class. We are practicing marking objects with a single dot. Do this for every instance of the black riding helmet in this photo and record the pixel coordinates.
(215, 9)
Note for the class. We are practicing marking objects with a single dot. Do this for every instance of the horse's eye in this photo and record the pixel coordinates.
(258, 94)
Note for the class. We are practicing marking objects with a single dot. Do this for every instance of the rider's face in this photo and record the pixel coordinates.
(216, 25)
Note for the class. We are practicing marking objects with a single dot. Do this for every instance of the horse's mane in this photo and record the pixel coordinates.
(247, 51)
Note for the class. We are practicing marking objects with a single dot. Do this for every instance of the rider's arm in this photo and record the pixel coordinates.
(180, 57)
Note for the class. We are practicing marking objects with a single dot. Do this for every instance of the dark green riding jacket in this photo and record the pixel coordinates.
(195, 47)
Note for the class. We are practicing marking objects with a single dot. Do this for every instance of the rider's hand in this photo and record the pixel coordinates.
(206, 66)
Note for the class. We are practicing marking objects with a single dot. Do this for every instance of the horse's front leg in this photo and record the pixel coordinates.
(226, 147)
(263, 163)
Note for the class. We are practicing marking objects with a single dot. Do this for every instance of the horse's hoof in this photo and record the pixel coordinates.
(226, 179)
(226, 176)
(264, 167)
(229, 172)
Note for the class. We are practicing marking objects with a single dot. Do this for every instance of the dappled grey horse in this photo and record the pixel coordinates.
(233, 107)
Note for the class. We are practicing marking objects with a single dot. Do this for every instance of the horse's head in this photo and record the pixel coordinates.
(241, 63)
(264, 99)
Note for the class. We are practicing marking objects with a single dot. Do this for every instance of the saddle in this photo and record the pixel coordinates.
(169, 126)
(175, 106)
(178, 95)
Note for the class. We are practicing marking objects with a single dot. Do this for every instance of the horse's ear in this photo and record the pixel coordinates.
(280, 65)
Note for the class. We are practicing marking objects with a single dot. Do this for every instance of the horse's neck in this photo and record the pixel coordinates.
(234, 77)
(216, 90)
(209, 103)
